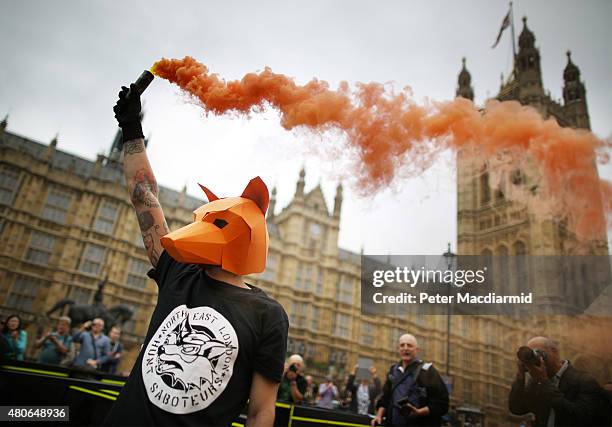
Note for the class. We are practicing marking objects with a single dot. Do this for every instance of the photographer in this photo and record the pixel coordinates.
(56, 345)
(95, 345)
(328, 392)
(414, 393)
(293, 386)
(553, 390)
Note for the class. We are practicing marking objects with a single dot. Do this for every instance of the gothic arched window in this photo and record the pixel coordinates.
(485, 190)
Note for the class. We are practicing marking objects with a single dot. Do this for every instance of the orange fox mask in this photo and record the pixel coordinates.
(228, 232)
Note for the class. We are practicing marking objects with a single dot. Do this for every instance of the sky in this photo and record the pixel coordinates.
(64, 62)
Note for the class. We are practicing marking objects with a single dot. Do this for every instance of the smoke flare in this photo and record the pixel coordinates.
(389, 132)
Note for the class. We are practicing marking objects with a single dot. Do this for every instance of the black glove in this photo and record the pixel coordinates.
(127, 112)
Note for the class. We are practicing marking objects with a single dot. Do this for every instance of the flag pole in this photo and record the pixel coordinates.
(512, 24)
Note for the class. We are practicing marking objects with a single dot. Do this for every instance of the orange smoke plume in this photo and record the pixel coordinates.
(390, 132)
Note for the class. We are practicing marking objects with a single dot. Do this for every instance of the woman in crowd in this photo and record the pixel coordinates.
(15, 336)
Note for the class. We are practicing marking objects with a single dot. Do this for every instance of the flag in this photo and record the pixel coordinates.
(505, 24)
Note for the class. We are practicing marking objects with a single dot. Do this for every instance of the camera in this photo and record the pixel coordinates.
(530, 356)
(405, 410)
(293, 368)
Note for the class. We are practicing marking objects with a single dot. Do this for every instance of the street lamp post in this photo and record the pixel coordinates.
(449, 256)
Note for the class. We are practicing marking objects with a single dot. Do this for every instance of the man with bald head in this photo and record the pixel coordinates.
(414, 393)
(554, 391)
(293, 385)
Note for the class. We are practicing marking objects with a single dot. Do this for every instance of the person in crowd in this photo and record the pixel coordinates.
(16, 338)
(363, 393)
(552, 389)
(293, 385)
(311, 391)
(95, 345)
(116, 349)
(345, 396)
(328, 392)
(57, 344)
(414, 393)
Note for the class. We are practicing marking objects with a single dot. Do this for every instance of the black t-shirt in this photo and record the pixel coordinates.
(205, 340)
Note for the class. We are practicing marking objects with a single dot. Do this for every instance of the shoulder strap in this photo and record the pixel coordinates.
(417, 371)
(414, 372)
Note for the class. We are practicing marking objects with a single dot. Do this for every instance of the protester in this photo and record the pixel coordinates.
(95, 345)
(552, 389)
(293, 385)
(56, 345)
(364, 393)
(16, 337)
(345, 396)
(414, 393)
(116, 349)
(214, 341)
(327, 393)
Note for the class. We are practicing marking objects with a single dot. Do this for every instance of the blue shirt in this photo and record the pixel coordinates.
(99, 353)
(50, 353)
(110, 366)
(17, 346)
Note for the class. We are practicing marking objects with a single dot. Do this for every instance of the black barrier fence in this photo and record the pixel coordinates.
(90, 395)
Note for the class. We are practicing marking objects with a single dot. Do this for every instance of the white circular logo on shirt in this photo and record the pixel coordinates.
(189, 360)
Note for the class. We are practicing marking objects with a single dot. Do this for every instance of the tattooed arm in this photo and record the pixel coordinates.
(139, 177)
(142, 188)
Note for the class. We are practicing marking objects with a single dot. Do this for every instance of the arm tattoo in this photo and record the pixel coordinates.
(151, 236)
(150, 247)
(141, 195)
(145, 189)
(145, 220)
(133, 146)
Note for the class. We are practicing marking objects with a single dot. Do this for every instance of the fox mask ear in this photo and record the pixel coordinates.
(257, 191)
(209, 194)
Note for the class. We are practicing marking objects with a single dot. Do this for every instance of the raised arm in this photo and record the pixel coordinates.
(139, 177)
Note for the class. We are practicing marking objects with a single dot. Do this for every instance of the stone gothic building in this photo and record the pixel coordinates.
(488, 224)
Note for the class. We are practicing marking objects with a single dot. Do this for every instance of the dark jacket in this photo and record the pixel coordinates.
(374, 390)
(284, 389)
(579, 400)
(436, 395)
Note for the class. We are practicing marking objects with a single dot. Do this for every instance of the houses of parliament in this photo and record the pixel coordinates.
(67, 224)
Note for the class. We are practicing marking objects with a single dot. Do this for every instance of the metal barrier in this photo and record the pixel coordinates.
(90, 395)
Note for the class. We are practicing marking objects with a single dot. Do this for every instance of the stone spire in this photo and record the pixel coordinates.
(527, 64)
(182, 196)
(51, 148)
(464, 88)
(338, 200)
(272, 205)
(3, 124)
(299, 188)
(574, 95)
